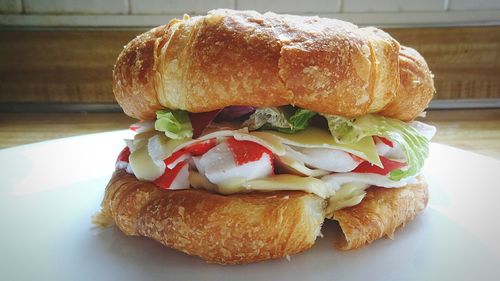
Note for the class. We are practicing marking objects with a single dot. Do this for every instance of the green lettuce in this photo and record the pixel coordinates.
(415, 145)
(299, 120)
(174, 123)
(283, 119)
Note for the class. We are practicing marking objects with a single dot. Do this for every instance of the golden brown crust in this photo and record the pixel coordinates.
(246, 58)
(244, 228)
(134, 75)
(416, 88)
(380, 213)
(240, 228)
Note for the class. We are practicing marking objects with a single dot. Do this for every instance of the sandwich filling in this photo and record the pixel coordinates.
(243, 149)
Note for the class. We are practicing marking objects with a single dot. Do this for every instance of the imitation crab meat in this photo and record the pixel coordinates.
(235, 159)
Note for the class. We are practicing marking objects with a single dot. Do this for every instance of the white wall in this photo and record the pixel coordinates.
(154, 12)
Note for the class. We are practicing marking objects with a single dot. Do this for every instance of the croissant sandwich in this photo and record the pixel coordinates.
(255, 128)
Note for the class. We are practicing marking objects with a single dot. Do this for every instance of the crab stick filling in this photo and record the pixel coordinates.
(231, 161)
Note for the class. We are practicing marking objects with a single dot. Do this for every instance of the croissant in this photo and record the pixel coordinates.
(231, 57)
(228, 58)
(250, 227)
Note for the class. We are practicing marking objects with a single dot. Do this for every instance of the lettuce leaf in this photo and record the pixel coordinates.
(174, 123)
(299, 121)
(283, 119)
(415, 145)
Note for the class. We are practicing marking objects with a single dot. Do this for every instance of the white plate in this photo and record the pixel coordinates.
(49, 190)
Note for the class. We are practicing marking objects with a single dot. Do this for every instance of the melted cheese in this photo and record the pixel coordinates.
(289, 182)
(293, 166)
(272, 183)
(341, 189)
(347, 195)
(265, 139)
(199, 181)
(335, 181)
(143, 166)
(233, 185)
(314, 137)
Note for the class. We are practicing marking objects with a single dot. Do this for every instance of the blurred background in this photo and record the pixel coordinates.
(56, 59)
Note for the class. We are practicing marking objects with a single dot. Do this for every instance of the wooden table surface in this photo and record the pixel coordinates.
(473, 130)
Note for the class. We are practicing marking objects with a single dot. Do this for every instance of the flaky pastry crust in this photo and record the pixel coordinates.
(231, 57)
(380, 213)
(240, 228)
(245, 228)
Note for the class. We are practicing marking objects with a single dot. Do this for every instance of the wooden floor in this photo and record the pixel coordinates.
(473, 130)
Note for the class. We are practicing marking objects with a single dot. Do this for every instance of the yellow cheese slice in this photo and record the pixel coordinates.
(293, 166)
(349, 194)
(316, 137)
(143, 166)
(199, 181)
(289, 182)
(263, 138)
